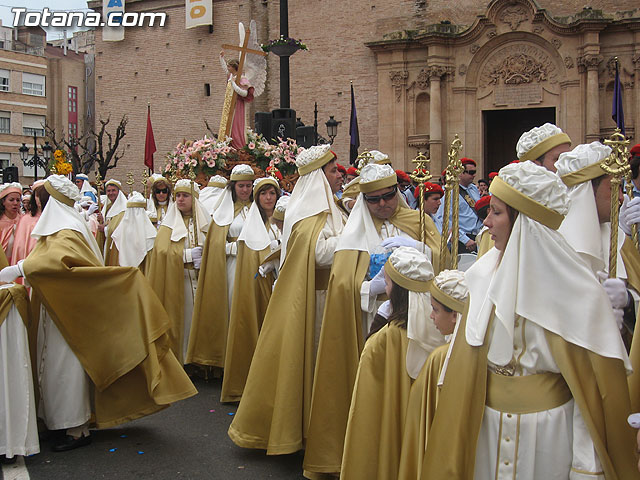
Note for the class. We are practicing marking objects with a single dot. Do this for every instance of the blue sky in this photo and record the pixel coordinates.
(64, 5)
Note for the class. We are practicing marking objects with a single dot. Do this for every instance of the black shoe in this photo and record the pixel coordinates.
(69, 443)
(7, 461)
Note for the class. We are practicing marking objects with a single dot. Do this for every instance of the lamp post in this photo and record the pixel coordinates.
(36, 160)
(332, 127)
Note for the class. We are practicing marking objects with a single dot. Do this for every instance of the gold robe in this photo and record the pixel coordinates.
(166, 276)
(378, 408)
(248, 307)
(110, 250)
(274, 410)
(598, 385)
(341, 341)
(423, 400)
(210, 321)
(117, 328)
(631, 258)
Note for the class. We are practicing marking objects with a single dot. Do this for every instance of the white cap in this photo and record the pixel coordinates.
(582, 156)
(545, 137)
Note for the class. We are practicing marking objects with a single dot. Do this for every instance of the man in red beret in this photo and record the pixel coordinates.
(433, 194)
(406, 189)
(351, 174)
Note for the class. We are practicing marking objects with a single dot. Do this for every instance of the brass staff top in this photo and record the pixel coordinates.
(421, 172)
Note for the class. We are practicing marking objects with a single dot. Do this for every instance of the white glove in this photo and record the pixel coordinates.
(634, 420)
(238, 90)
(377, 283)
(385, 309)
(266, 268)
(618, 314)
(616, 290)
(274, 245)
(629, 213)
(93, 208)
(196, 256)
(10, 273)
(395, 242)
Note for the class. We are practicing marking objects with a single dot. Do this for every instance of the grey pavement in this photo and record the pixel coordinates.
(186, 441)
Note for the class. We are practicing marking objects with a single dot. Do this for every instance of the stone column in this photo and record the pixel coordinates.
(636, 87)
(435, 114)
(590, 64)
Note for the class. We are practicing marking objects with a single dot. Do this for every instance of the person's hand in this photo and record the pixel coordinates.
(10, 273)
(101, 227)
(100, 218)
(377, 284)
(616, 290)
(196, 256)
(93, 208)
(470, 245)
(629, 214)
(395, 242)
(273, 245)
(263, 270)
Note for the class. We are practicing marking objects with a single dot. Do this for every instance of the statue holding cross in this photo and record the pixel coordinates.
(245, 80)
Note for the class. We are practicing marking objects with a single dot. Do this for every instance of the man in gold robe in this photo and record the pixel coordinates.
(110, 217)
(274, 410)
(377, 224)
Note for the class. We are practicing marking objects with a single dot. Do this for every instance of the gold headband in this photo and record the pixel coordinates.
(188, 190)
(237, 177)
(525, 204)
(57, 195)
(114, 183)
(216, 184)
(379, 184)
(136, 204)
(546, 145)
(385, 161)
(583, 175)
(408, 283)
(267, 181)
(446, 299)
(317, 163)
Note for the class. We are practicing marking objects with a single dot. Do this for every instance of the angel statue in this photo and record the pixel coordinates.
(245, 80)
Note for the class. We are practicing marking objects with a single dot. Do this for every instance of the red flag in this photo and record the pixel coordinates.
(149, 142)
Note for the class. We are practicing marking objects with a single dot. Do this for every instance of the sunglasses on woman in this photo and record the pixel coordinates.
(162, 190)
(385, 196)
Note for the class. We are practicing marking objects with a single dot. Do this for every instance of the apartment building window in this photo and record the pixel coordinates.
(33, 84)
(72, 114)
(5, 160)
(5, 122)
(33, 124)
(4, 80)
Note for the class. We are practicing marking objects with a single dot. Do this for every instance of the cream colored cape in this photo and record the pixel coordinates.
(248, 306)
(209, 327)
(341, 341)
(274, 410)
(598, 385)
(117, 328)
(378, 408)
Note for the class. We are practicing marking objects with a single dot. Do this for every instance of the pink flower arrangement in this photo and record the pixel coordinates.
(205, 155)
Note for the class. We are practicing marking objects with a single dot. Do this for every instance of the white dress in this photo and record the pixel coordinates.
(231, 250)
(551, 445)
(64, 385)
(18, 423)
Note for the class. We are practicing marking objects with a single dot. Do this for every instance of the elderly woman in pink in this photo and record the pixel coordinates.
(10, 199)
(23, 243)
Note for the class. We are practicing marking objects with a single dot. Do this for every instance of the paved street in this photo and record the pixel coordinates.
(185, 441)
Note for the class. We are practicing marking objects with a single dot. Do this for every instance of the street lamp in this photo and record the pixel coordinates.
(332, 127)
(36, 161)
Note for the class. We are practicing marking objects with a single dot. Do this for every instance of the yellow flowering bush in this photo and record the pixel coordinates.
(60, 165)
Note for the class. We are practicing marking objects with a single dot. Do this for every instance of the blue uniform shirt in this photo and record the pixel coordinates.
(468, 220)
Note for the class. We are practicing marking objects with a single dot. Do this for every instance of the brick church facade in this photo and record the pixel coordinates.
(422, 71)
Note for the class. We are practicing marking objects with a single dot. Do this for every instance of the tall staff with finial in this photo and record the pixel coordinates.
(616, 164)
(363, 159)
(451, 203)
(130, 181)
(145, 179)
(99, 184)
(421, 176)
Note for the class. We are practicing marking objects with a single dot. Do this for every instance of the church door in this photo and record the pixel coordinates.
(502, 129)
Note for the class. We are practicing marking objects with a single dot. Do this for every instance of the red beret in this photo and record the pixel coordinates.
(493, 175)
(444, 172)
(341, 169)
(352, 171)
(467, 161)
(429, 188)
(483, 202)
(403, 176)
(635, 151)
(515, 161)
(335, 157)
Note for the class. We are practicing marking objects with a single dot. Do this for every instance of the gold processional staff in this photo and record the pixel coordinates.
(421, 175)
(451, 202)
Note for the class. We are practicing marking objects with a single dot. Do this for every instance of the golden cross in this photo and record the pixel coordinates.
(130, 182)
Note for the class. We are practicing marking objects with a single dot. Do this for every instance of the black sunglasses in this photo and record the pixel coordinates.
(385, 196)
(162, 190)
(470, 172)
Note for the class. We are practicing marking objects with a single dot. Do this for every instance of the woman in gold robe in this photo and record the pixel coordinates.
(159, 199)
(252, 292)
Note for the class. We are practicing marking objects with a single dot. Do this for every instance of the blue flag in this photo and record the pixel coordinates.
(353, 131)
(617, 112)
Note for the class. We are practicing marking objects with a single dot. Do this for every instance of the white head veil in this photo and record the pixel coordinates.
(254, 232)
(135, 235)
